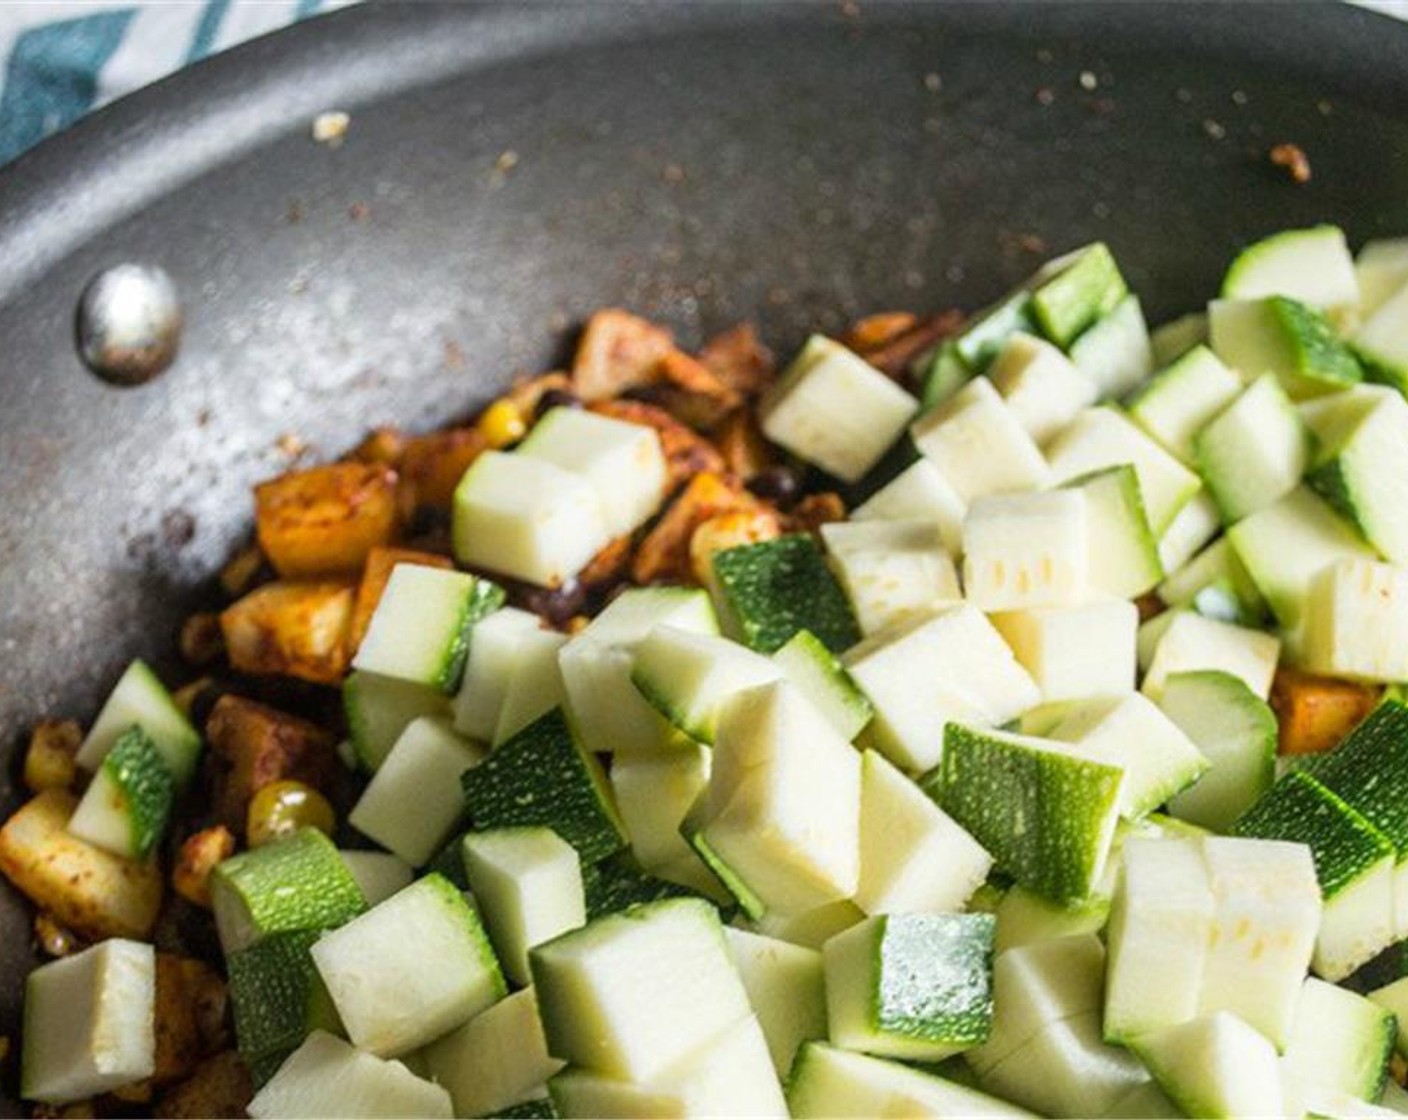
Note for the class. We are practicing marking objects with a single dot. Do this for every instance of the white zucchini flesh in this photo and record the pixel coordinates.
(1193, 643)
(378, 874)
(1122, 550)
(1115, 352)
(979, 445)
(1194, 525)
(1340, 1045)
(327, 1078)
(1253, 452)
(653, 794)
(414, 801)
(1026, 550)
(730, 1077)
(410, 969)
(1075, 653)
(811, 928)
(89, 1022)
(690, 676)
(494, 658)
(496, 1060)
(1025, 917)
(1041, 386)
(634, 994)
(1356, 622)
(1381, 340)
(828, 1083)
(1394, 998)
(891, 569)
(927, 672)
(818, 674)
(783, 805)
(621, 461)
(1172, 340)
(919, 493)
(1182, 399)
(1311, 265)
(140, 699)
(1266, 916)
(835, 410)
(786, 989)
(914, 858)
(527, 518)
(527, 883)
(1381, 267)
(1105, 437)
(1216, 1066)
(1161, 921)
(536, 687)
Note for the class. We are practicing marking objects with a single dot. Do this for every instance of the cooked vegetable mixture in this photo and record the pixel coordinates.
(986, 717)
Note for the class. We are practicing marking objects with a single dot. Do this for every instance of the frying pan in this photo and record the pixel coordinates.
(698, 163)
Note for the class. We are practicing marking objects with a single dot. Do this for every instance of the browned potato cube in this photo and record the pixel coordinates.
(184, 987)
(432, 465)
(220, 1086)
(92, 892)
(380, 562)
(253, 745)
(298, 629)
(196, 859)
(664, 553)
(49, 761)
(1314, 713)
(324, 520)
(617, 351)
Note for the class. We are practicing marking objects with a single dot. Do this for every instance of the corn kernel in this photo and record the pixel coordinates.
(501, 424)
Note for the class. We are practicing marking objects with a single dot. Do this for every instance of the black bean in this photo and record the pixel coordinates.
(557, 398)
(776, 484)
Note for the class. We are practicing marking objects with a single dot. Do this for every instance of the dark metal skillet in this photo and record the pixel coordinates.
(799, 164)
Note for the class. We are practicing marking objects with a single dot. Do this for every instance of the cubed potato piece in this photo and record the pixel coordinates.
(664, 553)
(617, 351)
(740, 359)
(324, 520)
(375, 575)
(1315, 713)
(196, 859)
(49, 763)
(91, 891)
(432, 465)
(220, 1086)
(297, 629)
(187, 990)
(253, 745)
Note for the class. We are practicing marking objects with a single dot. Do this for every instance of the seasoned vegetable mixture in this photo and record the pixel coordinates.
(996, 716)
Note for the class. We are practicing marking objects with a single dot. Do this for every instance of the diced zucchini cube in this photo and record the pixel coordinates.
(1340, 1045)
(527, 518)
(1037, 986)
(296, 883)
(927, 671)
(1074, 653)
(545, 775)
(828, 1083)
(326, 1077)
(1041, 386)
(653, 793)
(1025, 550)
(277, 996)
(495, 658)
(496, 1060)
(1236, 731)
(915, 986)
(1216, 584)
(622, 462)
(730, 1076)
(528, 885)
(891, 569)
(979, 445)
(89, 1022)
(1025, 917)
(920, 492)
(420, 630)
(140, 700)
(615, 885)
(379, 708)
(608, 709)
(1115, 352)
(1265, 918)
(127, 805)
(1160, 924)
(633, 994)
(981, 340)
(414, 801)
(940, 373)
(1071, 293)
(1358, 475)
(1068, 806)
(1177, 337)
(1177, 403)
(1193, 643)
(1196, 524)
(914, 858)
(818, 674)
(378, 874)
(1255, 451)
(1381, 268)
(1215, 1066)
(770, 590)
(1282, 336)
(786, 989)
(1122, 552)
(782, 810)
(1105, 437)
(1312, 265)
(688, 676)
(1393, 998)
(410, 969)
(536, 686)
(811, 928)
(833, 409)
(1381, 343)
(1356, 622)
(1287, 544)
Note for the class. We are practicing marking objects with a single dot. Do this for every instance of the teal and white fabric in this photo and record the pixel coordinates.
(59, 59)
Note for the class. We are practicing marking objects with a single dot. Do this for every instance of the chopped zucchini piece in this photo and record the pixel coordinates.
(544, 775)
(653, 794)
(1312, 265)
(1216, 584)
(1172, 340)
(1356, 622)
(1026, 550)
(771, 590)
(1122, 552)
(379, 708)
(1075, 653)
(1115, 352)
(982, 340)
(819, 675)
(613, 885)
(979, 445)
(920, 492)
(1340, 1045)
(1196, 524)
(378, 874)
(786, 989)
(496, 657)
(1358, 476)
(1380, 342)
(1025, 917)
(1282, 336)
(1177, 403)
(689, 677)
(139, 699)
(1254, 452)
(1192, 643)
(940, 373)
(1041, 386)
(1072, 293)
(891, 569)
(811, 928)
(410, 969)
(1216, 1066)
(278, 996)
(127, 806)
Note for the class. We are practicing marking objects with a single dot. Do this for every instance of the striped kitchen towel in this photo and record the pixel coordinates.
(59, 59)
